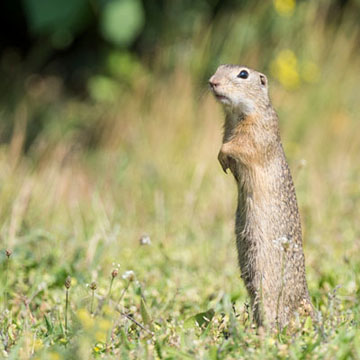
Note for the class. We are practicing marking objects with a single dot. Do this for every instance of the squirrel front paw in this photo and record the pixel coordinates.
(226, 160)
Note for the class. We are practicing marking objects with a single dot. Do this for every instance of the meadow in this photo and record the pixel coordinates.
(117, 220)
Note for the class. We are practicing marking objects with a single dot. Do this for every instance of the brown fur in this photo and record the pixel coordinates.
(268, 228)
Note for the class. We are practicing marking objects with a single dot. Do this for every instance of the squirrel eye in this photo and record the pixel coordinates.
(243, 74)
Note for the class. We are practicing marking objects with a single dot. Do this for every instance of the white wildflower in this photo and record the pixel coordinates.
(145, 240)
(128, 275)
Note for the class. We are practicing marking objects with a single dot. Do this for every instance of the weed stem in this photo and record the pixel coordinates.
(67, 286)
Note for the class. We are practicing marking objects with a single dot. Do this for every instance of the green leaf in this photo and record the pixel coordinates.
(202, 319)
(158, 349)
(213, 353)
(49, 325)
(121, 21)
(177, 354)
(124, 338)
(308, 326)
(145, 315)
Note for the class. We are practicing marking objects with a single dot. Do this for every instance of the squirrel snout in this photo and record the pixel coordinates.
(213, 82)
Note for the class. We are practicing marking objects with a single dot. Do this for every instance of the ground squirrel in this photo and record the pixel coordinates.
(268, 228)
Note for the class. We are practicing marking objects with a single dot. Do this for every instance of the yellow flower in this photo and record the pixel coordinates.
(285, 7)
(101, 336)
(105, 324)
(54, 356)
(85, 318)
(38, 344)
(98, 347)
(285, 69)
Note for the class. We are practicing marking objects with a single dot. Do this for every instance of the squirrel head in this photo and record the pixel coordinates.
(240, 89)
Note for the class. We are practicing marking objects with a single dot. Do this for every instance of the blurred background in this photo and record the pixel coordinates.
(108, 131)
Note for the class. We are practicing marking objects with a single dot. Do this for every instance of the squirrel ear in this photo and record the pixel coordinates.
(263, 80)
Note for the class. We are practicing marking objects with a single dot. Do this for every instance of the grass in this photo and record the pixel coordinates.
(81, 205)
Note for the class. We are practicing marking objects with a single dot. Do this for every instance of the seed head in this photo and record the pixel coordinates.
(68, 282)
(114, 273)
(93, 286)
(8, 252)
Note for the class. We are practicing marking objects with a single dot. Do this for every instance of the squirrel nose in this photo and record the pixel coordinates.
(213, 82)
